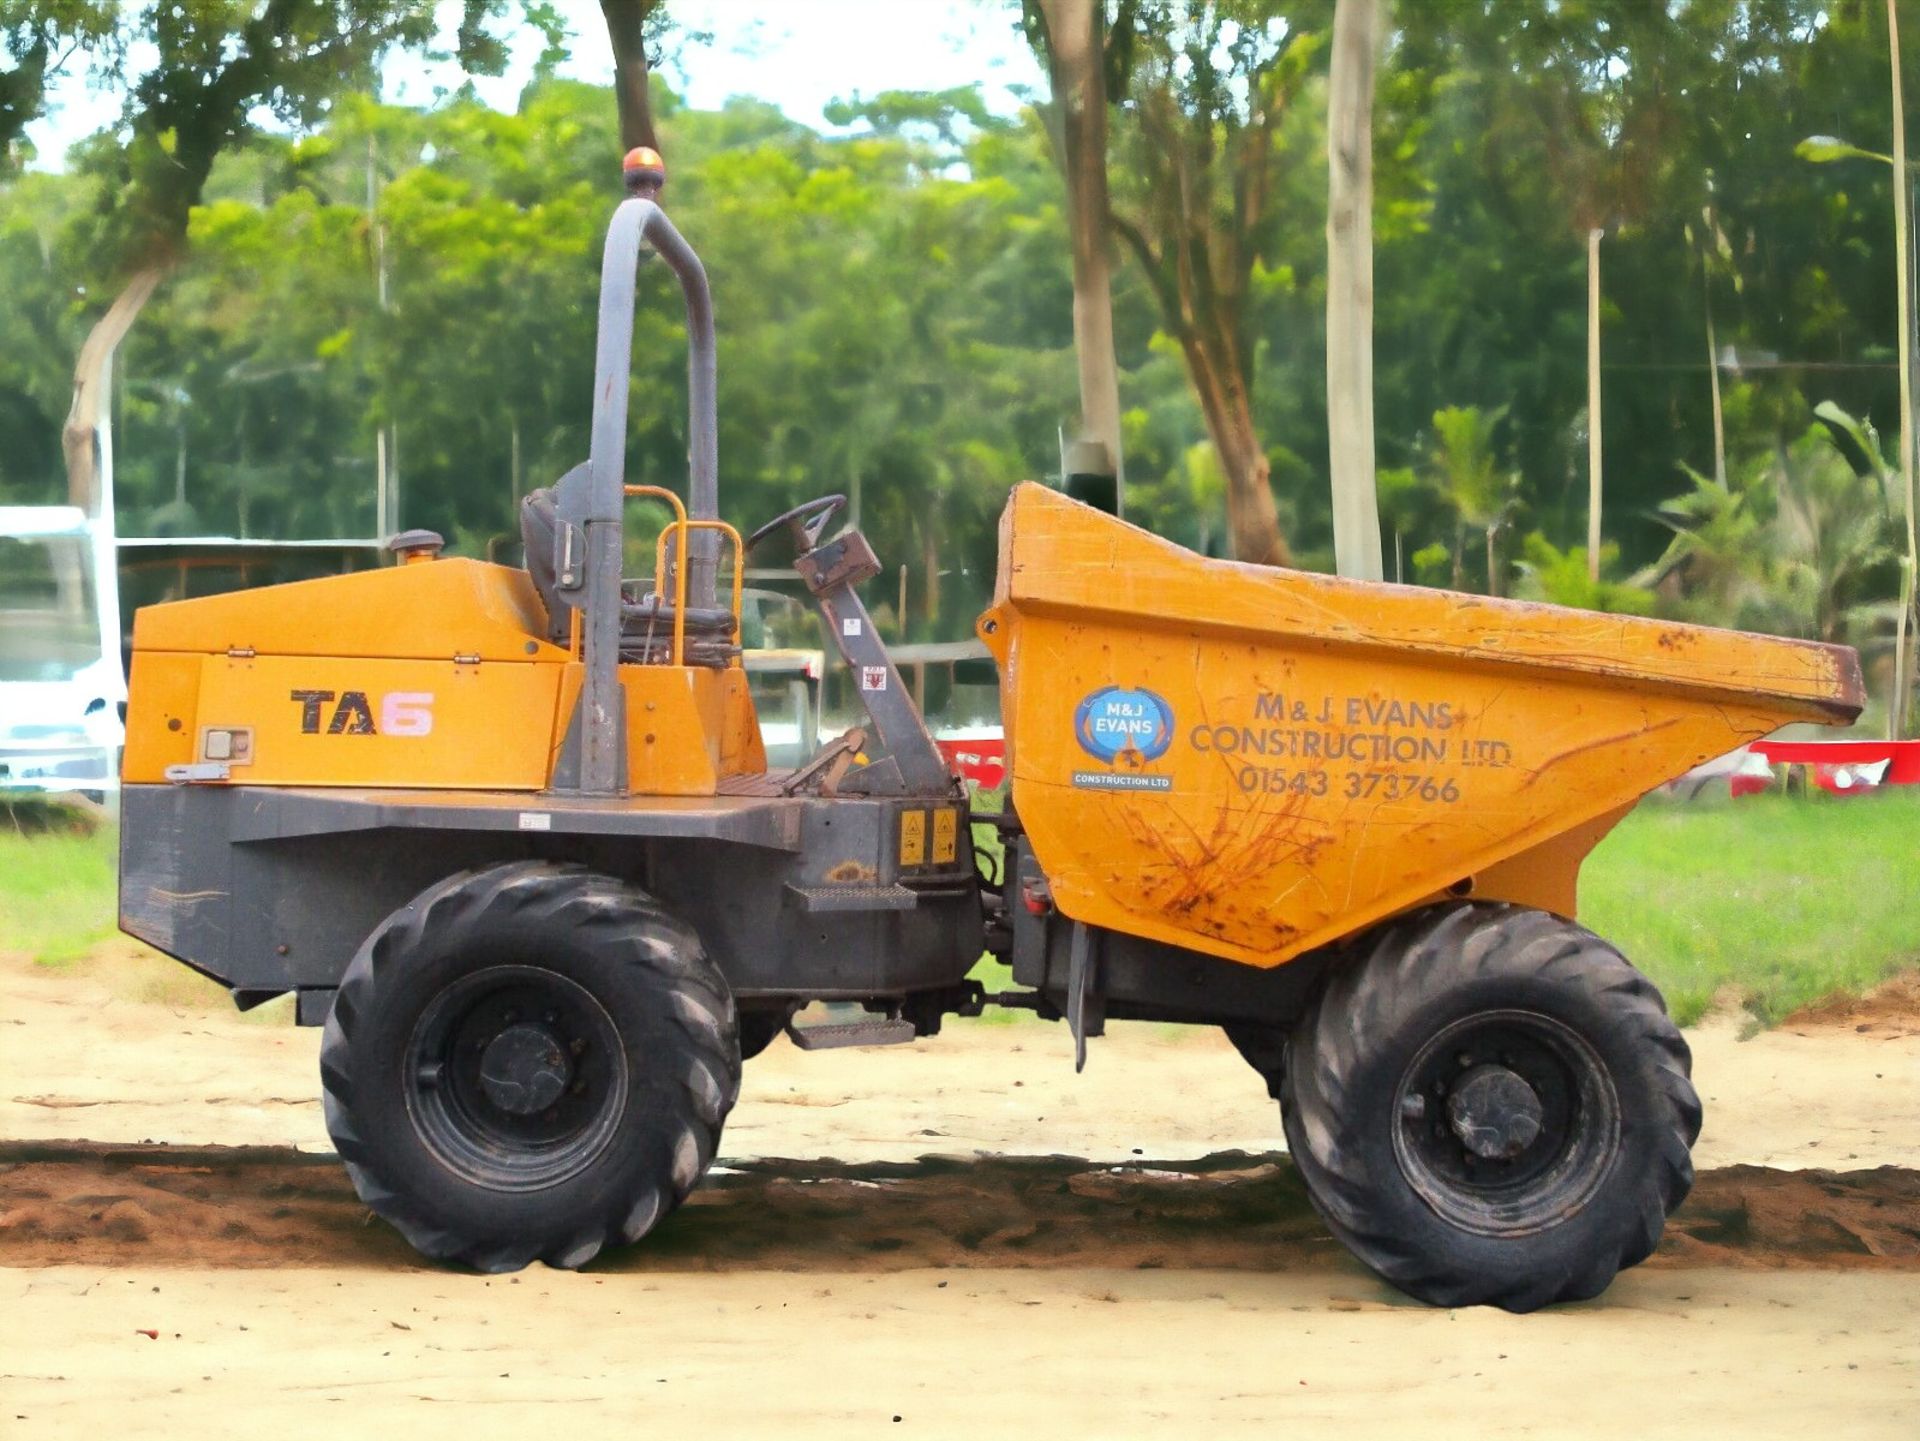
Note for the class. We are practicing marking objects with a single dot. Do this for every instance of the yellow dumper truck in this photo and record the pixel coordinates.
(510, 836)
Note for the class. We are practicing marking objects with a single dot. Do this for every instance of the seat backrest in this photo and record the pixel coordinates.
(539, 524)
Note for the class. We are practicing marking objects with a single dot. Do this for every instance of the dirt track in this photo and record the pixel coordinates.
(63, 1203)
(212, 1289)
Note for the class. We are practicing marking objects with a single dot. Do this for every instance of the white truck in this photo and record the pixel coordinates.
(63, 688)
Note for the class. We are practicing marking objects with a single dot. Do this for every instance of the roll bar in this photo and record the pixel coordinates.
(601, 720)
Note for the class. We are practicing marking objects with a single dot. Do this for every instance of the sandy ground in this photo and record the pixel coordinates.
(1005, 1290)
(1691, 1354)
(89, 1056)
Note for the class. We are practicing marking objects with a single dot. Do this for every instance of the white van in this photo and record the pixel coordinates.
(62, 687)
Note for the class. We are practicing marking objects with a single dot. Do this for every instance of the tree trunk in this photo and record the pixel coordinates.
(1356, 511)
(79, 437)
(1208, 329)
(1593, 404)
(1713, 378)
(626, 30)
(1074, 62)
(930, 562)
(1493, 564)
(1253, 521)
(1898, 702)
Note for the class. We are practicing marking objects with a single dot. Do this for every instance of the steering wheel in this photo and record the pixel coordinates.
(805, 523)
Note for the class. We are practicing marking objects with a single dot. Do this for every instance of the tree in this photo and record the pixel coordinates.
(1069, 34)
(38, 40)
(1356, 511)
(1564, 577)
(1466, 470)
(1209, 85)
(1711, 250)
(213, 65)
(1802, 542)
(1720, 562)
(631, 26)
(1834, 528)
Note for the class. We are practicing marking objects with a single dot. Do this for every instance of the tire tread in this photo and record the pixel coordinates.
(1395, 973)
(625, 921)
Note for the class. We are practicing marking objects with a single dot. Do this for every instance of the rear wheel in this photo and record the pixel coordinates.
(526, 1063)
(1490, 1106)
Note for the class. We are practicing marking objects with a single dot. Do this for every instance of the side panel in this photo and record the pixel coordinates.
(1287, 795)
(441, 608)
(271, 915)
(687, 727)
(798, 925)
(163, 690)
(319, 720)
(269, 891)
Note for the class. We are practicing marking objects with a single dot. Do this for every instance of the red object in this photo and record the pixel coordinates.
(1902, 757)
(982, 761)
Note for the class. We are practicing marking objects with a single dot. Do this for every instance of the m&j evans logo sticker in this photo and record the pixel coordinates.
(1126, 728)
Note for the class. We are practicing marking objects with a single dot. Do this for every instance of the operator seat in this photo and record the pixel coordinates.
(646, 617)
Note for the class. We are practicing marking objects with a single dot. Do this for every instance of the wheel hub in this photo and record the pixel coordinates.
(1495, 1113)
(524, 1069)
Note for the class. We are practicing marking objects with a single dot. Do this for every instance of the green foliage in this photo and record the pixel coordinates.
(1802, 541)
(895, 302)
(1433, 565)
(1464, 467)
(1464, 470)
(1721, 553)
(1835, 526)
(889, 326)
(197, 75)
(1560, 577)
(37, 39)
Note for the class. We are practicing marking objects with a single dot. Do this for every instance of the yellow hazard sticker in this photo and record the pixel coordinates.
(946, 826)
(913, 838)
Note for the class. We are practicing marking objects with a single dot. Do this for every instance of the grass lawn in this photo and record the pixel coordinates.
(1780, 901)
(1783, 900)
(56, 891)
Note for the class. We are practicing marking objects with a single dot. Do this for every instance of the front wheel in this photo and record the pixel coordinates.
(529, 1062)
(1489, 1105)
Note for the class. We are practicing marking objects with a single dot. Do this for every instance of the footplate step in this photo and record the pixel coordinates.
(880, 1031)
